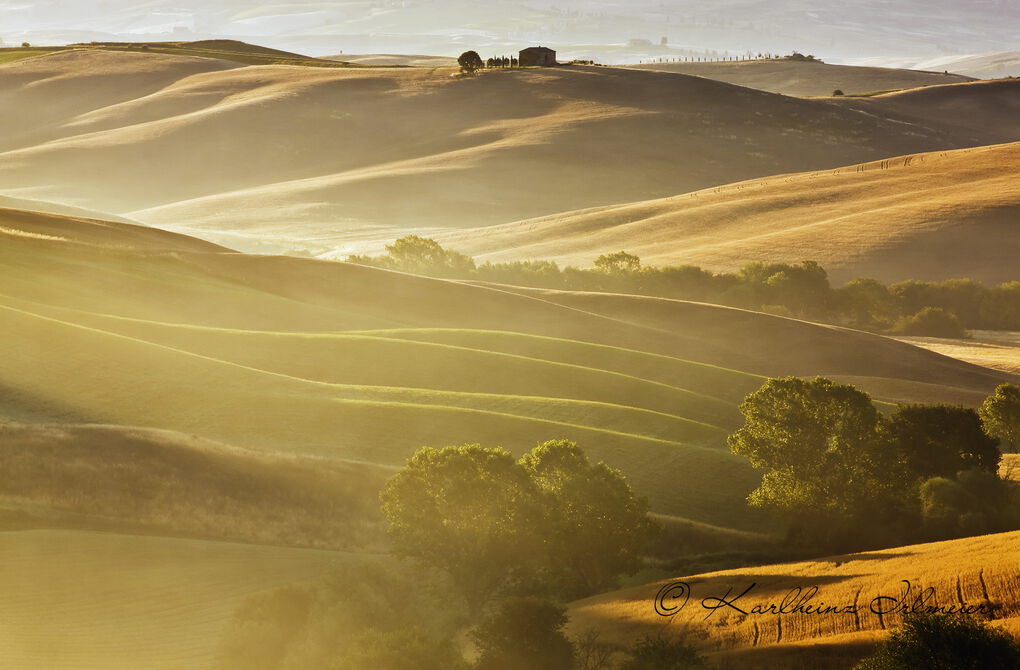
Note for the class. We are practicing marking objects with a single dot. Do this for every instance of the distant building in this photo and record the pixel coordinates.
(538, 57)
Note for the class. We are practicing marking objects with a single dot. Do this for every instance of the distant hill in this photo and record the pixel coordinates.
(992, 65)
(923, 216)
(274, 158)
(805, 78)
(394, 60)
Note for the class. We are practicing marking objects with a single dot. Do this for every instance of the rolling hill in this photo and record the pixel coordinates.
(804, 78)
(990, 65)
(975, 571)
(105, 322)
(197, 145)
(926, 216)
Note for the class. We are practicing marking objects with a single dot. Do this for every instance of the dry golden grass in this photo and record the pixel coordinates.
(991, 349)
(928, 216)
(790, 77)
(280, 157)
(976, 571)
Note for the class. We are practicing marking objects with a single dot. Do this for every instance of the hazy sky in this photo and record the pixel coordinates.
(832, 29)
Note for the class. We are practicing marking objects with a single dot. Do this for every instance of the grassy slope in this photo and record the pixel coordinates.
(992, 349)
(974, 568)
(407, 147)
(110, 323)
(928, 216)
(790, 77)
(122, 602)
(322, 358)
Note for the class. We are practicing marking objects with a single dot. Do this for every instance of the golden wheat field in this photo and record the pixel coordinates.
(923, 216)
(969, 572)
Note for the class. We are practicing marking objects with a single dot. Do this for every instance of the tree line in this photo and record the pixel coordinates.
(940, 309)
(845, 475)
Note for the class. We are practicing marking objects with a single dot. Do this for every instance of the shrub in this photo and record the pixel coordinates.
(945, 642)
(932, 322)
(838, 92)
(656, 653)
(524, 634)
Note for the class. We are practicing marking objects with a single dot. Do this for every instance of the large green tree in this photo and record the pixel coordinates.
(819, 444)
(594, 527)
(941, 440)
(1000, 415)
(469, 511)
(551, 522)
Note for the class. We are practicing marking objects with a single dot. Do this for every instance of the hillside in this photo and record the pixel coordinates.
(123, 602)
(976, 571)
(997, 350)
(340, 361)
(228, 50)
(802, 78)
(395, 60)
(991, 65)
(927, 216)
(196, 144)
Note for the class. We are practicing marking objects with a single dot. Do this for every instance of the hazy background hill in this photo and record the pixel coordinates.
(601, 28)
(320, 160)
(923, 216)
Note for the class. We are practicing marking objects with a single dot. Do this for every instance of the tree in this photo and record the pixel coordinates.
(619, 263)
(803, 288)
(594, 528)
(422, 255)
(468, 511)
(470, 61)
(523, 634)
(838, 93)
(976, 502)
(1000, 415)
(941, 440)
(26, 45)
(656, 653)
(933, 322)
(868, 302)
(819, 442)
(945, 642)
(551, 522)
